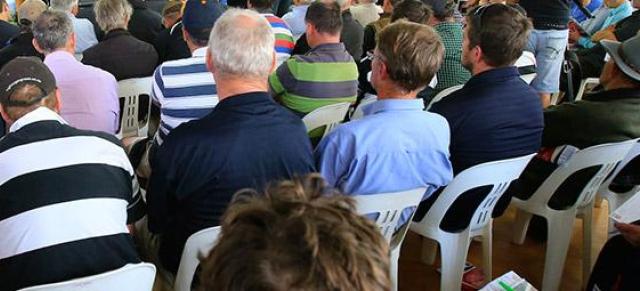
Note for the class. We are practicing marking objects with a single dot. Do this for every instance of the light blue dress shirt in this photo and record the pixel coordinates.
(616, 14)
(396, 146)
(85, 35)
(295, 20)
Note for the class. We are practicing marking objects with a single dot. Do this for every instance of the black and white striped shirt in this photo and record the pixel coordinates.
(66, 196)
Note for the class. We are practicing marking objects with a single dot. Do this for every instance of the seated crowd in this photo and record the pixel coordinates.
(227, 145)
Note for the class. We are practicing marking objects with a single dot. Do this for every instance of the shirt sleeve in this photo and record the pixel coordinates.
(276, 88)
(559, 124)
(137, 207)
(157, 88)
(586, 42)
(161, 190)
(329, 161)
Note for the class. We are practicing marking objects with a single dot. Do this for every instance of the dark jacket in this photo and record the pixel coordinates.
(7, 32)
(122, 55)
(352, 35)
(170, 45)
(19, 46)
(203, 162)
(602, 117)
(145, 24)
(548, 14)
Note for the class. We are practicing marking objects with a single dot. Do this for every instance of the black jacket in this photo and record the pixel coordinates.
(145, 24)
(122, 55)
(19, 46)
(170, 45)
(548, 14)
(7, 32)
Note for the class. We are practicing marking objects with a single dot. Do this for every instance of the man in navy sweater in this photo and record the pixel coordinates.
(496, 115)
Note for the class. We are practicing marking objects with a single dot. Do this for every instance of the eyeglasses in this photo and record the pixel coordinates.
(371, 56)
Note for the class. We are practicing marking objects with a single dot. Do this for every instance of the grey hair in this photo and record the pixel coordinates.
(64, 5)
(52, 30)
(112, 14)
(241, 44)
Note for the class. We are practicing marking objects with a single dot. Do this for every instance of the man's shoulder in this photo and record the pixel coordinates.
(49, 130)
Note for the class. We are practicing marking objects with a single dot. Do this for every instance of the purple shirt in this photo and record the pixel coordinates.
(89, 95)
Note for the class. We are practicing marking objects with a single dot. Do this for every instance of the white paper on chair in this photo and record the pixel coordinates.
(511, 279)
(629, 211)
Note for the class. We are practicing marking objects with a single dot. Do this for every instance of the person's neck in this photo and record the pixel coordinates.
(192, 47)
(326, 40)
(235, 85)
(481, 68)
(65, 50)
(387, 92)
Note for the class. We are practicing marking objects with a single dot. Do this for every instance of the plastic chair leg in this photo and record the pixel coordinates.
(395, 256)
(559, 230)
(454, 250)
(487, 246)
(429, 251)
(520, 226)
(587, 224)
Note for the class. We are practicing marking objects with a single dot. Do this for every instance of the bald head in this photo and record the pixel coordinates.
(241, 44)
(31, 9)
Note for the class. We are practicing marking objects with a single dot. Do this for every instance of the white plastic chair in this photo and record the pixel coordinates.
(132, 277)
(196, 248)
(560, 222)
(329, 116)
(129, 92)
(527, 59)
(443, 93)
(587, 85)
(358, 113)
(454, 246)
(615, 199)
(389, 206)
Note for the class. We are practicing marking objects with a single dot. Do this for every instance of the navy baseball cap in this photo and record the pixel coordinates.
(199, 17)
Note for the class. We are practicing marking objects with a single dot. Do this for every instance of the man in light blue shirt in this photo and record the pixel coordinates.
(618, 10)
(397, 146)
(83, 28)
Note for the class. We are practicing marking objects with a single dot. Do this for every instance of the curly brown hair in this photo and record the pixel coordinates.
(297, 236)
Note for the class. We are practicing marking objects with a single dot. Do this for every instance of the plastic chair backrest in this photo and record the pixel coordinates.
(607, 156)
(329, 116)
(358, 113)
(632, 154)
(527, 61)
(587, 85)
(197, 247)
(132, 277)
(499, 174)
(389, 207)
(130, 92)
(442, 94)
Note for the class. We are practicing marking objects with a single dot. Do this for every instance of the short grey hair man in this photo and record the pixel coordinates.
(112, 14)
(70, 6)
(241, 46)
(52, 31)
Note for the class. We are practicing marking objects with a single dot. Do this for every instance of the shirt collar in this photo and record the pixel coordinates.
(493, 75)
(115, 33)
(615, 94)
(59, 55)
(393, 105)
(243, 99)
(200, 52)
(39, 114)
(329, 47)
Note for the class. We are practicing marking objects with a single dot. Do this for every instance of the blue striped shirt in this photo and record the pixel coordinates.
(183, 90)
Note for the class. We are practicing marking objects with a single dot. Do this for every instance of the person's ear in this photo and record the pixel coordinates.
(6, 119)
(37, 46)
(478, 54)
(209, 62)
(273, 62)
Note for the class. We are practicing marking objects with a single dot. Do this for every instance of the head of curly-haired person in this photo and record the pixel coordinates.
(413, 11)
(296, 236)
(495, 36)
